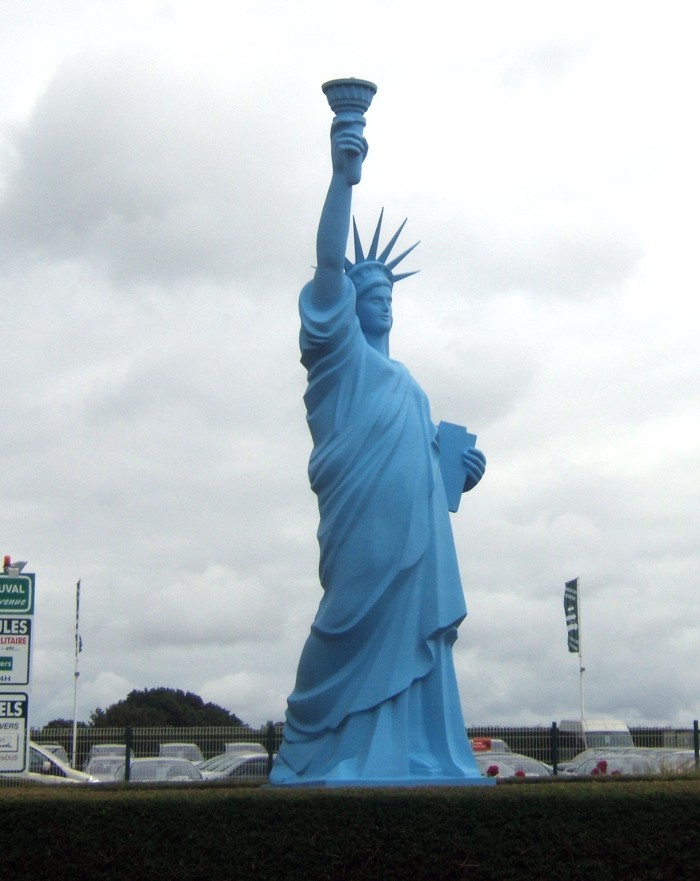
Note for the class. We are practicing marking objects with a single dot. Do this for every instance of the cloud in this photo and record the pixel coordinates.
(544, 64)
(147, 173)
(210, 608)
(248, 691)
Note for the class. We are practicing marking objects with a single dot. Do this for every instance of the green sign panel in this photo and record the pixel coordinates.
(17, 594)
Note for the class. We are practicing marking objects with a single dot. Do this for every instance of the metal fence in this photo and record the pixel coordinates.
(548, 744)
(551, 745)
(194, 743)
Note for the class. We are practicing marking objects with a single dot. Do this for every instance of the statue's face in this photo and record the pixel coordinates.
(373, 308)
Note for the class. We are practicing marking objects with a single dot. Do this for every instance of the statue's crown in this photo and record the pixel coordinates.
(365, 268)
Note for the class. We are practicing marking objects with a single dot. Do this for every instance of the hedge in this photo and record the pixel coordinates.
(597, 830)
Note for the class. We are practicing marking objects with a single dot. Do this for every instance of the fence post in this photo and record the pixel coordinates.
(554, 747)
(270, 745)
(696, 743)
(128, 740)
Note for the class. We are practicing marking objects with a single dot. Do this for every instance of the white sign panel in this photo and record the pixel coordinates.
(13, 731)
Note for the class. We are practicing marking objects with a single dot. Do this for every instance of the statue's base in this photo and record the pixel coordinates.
(389, 783)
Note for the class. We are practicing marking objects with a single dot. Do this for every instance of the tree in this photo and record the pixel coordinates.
(163, 707)
(63, 723)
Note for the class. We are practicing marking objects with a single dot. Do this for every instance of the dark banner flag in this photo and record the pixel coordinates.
(78, 639)
(571, 612)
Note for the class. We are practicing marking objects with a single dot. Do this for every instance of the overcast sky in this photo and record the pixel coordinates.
(162, 169)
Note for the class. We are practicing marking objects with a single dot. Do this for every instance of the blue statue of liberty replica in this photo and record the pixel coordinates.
(376, 700)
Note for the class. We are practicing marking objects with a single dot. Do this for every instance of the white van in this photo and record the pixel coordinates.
(600, 733)
(575, 736)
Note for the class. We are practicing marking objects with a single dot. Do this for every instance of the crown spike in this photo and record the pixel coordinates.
(403, 275)
(359, 255)
(392, 241)
(397, 260)
(372, 255)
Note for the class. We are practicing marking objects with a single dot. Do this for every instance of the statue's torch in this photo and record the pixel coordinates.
(349, 99)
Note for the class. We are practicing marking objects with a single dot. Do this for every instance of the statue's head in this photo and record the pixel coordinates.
(373, 275)
(373, 304)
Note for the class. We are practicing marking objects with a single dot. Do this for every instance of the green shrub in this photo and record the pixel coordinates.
(598, 830)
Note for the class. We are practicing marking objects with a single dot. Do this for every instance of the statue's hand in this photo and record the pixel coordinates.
(475, 465)
(348, 150)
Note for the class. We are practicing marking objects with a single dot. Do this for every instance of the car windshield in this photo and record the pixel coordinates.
(154, 771)
(251, 767)
(226, 762)
(44, 764)
(106, 765)
(57, 750)
(246, 748)
(220, 762)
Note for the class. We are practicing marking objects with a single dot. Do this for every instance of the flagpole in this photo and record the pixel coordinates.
(581, 668)
(76, 674)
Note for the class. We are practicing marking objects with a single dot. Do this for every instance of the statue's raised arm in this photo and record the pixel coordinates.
(346, 148)
(349, 99)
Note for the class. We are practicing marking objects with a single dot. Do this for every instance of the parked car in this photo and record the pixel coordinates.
(494, 766)
(101, 750)
(579, 758)
(673, 761)
(181, 751)
(495, 749)
(103, 768)
(47, 768)
(235, 766)
(614, 763)
(253, 769)
(43, 761)
(160, 769)
(524, 765)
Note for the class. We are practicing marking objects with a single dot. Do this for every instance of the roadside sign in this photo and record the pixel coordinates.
(13, 731)
(17, 594)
